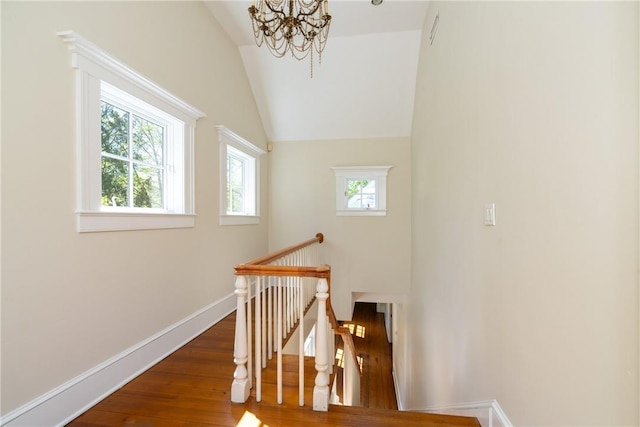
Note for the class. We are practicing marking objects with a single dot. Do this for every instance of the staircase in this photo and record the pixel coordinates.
(283, 293)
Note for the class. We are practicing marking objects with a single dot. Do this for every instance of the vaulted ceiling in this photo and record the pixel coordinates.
(362, 89)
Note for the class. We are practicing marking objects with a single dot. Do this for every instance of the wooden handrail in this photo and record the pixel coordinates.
(283, 252)
(344, 333)
(322, 271)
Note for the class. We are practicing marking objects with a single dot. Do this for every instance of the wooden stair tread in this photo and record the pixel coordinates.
(385, 417)
(288, 415)
(337, 415)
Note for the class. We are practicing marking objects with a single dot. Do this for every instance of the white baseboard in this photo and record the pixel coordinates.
(71, 399)
(396, 388)
(488, 412)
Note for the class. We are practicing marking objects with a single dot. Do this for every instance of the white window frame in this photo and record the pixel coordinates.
(372, 173)
(173, 161)
(97, 70)
(230, 141)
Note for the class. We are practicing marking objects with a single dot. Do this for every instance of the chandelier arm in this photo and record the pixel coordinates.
(310, 13)
(266, 29)
(280, 13)
(255, 14)
(320, 26)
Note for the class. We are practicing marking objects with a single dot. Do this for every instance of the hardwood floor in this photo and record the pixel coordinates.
(376, 381)
(191, 387)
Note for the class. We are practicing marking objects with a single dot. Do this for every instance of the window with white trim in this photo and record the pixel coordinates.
(141, 155)
(135, 146)
(361, 190)
(239, 179)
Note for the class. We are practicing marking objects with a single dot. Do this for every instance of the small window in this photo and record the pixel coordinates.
(135, 146)
(239, 178)
(361, 190)
(361, 193)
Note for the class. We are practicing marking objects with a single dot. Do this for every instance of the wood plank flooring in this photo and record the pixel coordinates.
(376, 382)
(191, 387)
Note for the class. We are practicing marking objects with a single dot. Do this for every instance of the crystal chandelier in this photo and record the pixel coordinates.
(296, 26)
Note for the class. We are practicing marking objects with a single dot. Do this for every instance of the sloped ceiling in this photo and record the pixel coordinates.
(364, 87)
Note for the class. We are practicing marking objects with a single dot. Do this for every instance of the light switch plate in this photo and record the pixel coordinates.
(490, 214)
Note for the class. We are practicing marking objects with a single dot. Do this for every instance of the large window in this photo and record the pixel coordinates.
(135, 146)
(361, 190)
(239, 178)
(139, 146)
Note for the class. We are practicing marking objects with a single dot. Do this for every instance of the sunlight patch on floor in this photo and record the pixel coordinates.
(250, 420)
(359, 330)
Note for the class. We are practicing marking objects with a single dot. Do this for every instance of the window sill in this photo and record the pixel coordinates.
(361, 212)
(89, 222)
(239, 220)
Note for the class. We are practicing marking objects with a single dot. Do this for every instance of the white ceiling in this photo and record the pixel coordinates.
(363, 88)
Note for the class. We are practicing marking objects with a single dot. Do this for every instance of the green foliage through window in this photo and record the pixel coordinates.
(361, 193)
(132, 159)
(354, 186)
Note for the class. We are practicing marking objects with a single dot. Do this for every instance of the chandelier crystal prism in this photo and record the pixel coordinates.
(296, 26)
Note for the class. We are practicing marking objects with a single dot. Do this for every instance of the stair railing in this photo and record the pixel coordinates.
(351, 368)
(285, 284)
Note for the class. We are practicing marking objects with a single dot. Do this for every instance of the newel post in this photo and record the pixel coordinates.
(321, 389)
(240, 385)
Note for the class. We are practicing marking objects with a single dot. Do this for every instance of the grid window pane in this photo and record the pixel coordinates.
(147, 141)
(114, 130)
(115, 182)
(147, 186)
(361, 193)
(133, 173)
(235, 184)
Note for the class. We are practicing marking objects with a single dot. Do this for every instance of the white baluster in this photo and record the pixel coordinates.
(279, 343)
(249, 335)
(346, 373)
(321, 389)
(270, 319)
(240, 385)
(287, 306)
(301, 351)
(263, 339)
(258, 339)
(296, 299)
(332, 346)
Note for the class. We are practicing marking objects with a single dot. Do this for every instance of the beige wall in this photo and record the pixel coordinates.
(533, 106)
(366, 254)
(71, 301)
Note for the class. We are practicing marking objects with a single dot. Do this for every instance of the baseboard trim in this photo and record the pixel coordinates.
(396, 388)
(488, 412)
(67, 401)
